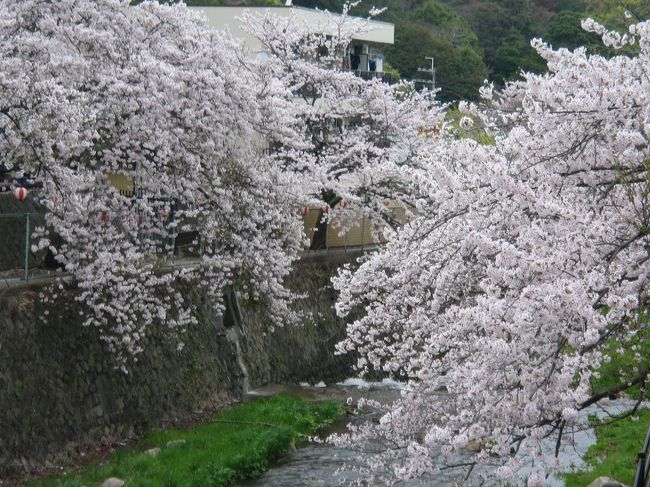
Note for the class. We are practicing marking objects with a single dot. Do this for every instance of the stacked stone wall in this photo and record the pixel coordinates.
(303, 353)
(61, 395)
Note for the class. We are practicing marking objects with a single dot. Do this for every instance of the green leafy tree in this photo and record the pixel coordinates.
(565, 30)
(612, 13)
(513, 56)
(459, 71)
(446, 24)
(574, 5)
(459, 74)
(412, 43)
(493, 20)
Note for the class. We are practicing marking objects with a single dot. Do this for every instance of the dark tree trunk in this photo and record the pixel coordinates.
(319, 240)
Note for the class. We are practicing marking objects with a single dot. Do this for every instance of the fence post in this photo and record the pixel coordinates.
(641, 477)
(363, 227)
(27, 234)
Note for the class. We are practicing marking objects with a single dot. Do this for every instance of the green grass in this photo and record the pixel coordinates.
(615, 451)
(239, 443)
(624, 360)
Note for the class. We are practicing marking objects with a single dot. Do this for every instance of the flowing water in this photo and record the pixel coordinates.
(318, 464)
(324, 465)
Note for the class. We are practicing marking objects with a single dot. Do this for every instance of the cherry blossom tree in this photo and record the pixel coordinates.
(93, 91)
(96, 89)
(527, 258)
(340, 136)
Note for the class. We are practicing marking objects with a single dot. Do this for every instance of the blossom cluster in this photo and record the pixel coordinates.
(526, 257)
(100, 91)
(150, 94)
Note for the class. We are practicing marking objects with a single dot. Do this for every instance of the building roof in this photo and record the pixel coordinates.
(221, 17)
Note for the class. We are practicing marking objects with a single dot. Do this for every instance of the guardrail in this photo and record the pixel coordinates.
(19, 265)
(642, 478)
(368, 75)
(15, 241)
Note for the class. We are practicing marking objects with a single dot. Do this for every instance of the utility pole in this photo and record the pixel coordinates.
(431, 71)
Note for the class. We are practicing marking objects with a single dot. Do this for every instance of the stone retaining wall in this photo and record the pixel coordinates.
(302, 353)
(61, 396)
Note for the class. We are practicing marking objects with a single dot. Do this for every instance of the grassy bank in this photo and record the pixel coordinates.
(615, 451)
(617, 443)
(237, 444)
(624, 361)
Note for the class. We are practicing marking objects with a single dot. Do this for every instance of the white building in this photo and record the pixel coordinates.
(365, 55)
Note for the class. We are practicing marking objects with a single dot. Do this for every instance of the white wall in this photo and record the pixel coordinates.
(222, 17)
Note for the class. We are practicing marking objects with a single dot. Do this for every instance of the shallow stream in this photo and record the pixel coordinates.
(324, 465)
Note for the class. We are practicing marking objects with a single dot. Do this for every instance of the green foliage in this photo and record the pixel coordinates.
(461, 73)
(446, 24)
(611, 13)
(615, 452)
(573, 5)
(437, 14)
(515, 55)
(412, 43)
(432, 29)
(238, 444)
(459, 70)
(495, 20)
(564, 30)
(625, 360)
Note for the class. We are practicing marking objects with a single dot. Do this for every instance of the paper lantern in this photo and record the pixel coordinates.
(20, 194)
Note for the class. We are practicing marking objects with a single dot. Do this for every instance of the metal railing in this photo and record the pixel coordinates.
(17, 261)
(368, 75)
(642, 479)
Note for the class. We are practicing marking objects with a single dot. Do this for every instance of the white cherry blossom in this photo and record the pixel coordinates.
(526, 256)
